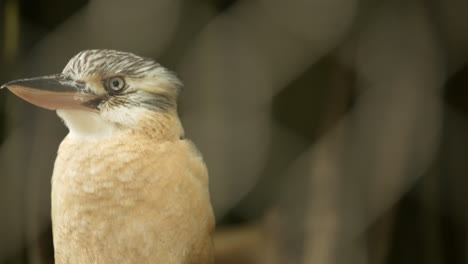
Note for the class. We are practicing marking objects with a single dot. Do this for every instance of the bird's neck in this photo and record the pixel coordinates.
(90, 126)
(160, 126)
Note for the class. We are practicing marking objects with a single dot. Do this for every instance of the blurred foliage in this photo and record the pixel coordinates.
(301, 97)
(456, 93)
(49, 13)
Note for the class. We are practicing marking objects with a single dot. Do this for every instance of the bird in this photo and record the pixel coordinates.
(127, 185)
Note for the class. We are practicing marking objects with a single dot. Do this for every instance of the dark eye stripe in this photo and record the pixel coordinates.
(158, 102)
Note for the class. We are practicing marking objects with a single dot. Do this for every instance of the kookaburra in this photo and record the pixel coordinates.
(127, 186)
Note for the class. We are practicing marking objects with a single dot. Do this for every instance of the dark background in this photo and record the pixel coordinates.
(335, 131)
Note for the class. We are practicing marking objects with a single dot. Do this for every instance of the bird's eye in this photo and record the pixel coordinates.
(116, 84)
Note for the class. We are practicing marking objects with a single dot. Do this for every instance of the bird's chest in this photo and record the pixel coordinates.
(102, 184)
(99, 172)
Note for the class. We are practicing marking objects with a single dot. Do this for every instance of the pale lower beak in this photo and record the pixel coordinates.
(54, 92)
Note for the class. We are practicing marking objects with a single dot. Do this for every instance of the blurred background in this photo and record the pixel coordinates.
(335, 131)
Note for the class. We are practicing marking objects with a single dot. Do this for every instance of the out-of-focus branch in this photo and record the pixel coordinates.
(364, 164)
(236, 65)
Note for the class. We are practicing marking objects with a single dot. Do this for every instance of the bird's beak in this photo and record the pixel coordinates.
(53, 92)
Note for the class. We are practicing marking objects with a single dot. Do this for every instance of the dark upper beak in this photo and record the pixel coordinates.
(53, 92)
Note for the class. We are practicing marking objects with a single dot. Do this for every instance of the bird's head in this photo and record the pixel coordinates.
(100, 91)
